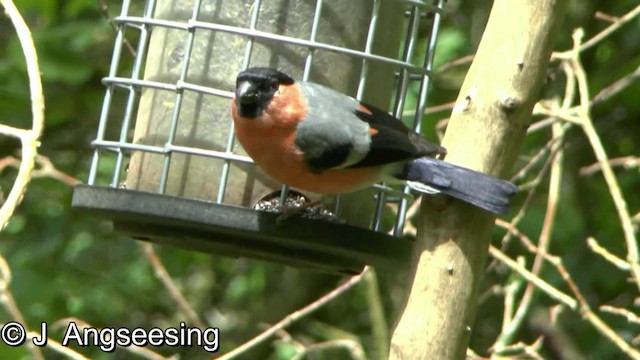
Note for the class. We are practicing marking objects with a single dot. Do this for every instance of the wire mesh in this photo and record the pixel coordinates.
(115, 145)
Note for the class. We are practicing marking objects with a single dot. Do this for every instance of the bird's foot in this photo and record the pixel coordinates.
(288, 211)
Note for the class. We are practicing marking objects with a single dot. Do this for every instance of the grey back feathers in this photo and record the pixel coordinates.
(341, 132)
(331, 136)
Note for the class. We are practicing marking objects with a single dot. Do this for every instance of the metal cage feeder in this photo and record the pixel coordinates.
(167, 169)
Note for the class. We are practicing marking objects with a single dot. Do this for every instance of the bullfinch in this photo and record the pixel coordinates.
(316, 139)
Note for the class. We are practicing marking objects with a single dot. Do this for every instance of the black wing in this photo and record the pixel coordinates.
(321, 150)
(391, 140)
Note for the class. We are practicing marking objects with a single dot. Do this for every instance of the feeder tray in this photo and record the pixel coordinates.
(241, 232)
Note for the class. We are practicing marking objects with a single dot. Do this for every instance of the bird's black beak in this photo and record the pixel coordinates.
(247, 93)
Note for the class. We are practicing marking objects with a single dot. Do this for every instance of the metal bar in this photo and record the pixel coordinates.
(106, 103)
(210, 153)
(423, 6)
(126, 83)
(169, 148)
(271, 37)
(314, 35)
(373, 24)
(367, 48)
(284, 191)
(428, 64)
(131, 100)
(204, 89)
(117, 145)
(403, 82)
(173, 127)
(231, 138)
(310, 44)
(421, 106)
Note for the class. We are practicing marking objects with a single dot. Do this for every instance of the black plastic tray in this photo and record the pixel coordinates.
(241, 232)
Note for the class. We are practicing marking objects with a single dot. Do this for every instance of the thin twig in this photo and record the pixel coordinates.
(601, 35)
(104, 9)
(553, 260)
(631, 317)
(517, 351)
(353, 347)
(163, 275)
(9, 303)
(471, 355)
(628, 162)
(579, 300)
(547, 288)
(379, 327)
(615, 88)
(29, 138)
(543, 244)
(532, 188)
(58, 347)
(295, 316)
(601, 155)
(616, 261)
(510, 292)
(29, 141)
(579, 305)
(44, 168)
(288, 339)
(432, 109)
(605, 330)
(141, 351)
(542, 124)
(606, 17)
(467, 59)
(550, 147)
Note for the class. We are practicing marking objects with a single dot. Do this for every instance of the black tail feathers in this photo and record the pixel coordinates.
(430, 175)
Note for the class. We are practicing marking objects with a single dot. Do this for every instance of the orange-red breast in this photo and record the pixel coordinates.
(316, 139)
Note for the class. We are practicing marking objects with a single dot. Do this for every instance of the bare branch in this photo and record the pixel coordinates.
(614, 188)
(104, 9)
(296, 315)
(631, 317)
(353, 347)
(44, 168)
(579, 305)
(455, 63)
(141, 351)
(548, 289)
(616, 261)
(28, 138)
(163, 275)
(615, 88)
(628, 162)
(59, 348)
(606, 17)
(9, 303)
(601, 35)
(543, 244)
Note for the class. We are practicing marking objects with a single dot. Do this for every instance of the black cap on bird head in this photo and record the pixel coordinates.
(255, 88)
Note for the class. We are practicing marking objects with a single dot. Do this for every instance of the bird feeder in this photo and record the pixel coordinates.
(166, 167)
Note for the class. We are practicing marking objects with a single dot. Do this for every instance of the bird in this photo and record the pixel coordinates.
(316, 139)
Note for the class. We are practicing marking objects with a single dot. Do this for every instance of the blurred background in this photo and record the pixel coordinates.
(68, 265)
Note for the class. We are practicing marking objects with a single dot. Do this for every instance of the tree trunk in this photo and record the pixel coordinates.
(485, 132)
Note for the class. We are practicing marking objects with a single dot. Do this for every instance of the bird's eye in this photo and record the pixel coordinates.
(274, 85)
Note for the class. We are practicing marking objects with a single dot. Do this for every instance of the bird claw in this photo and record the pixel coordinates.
(289, 211)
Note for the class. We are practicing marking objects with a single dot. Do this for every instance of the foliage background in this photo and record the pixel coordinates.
(66, 264)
